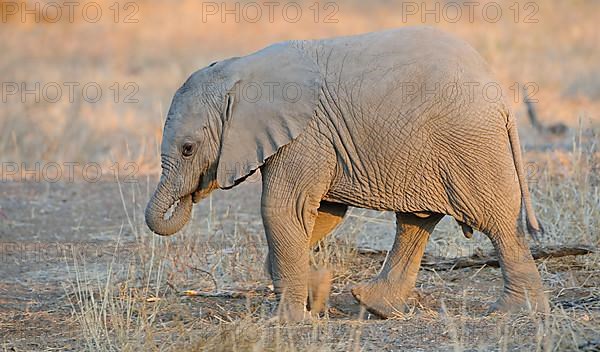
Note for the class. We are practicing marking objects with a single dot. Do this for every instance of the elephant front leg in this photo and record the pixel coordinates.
(288, 261)
(387, 294)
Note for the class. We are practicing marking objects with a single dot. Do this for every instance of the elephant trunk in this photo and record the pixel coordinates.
(166, 214)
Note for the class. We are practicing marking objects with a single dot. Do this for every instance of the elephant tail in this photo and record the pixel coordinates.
(534, 228)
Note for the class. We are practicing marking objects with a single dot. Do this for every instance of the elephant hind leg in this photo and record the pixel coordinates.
(522, 282)
(386, 294)
(523, 287)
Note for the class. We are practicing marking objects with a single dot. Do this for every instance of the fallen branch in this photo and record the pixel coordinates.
(478, 260)
(217, 294)
(589, 302)
(228, 294)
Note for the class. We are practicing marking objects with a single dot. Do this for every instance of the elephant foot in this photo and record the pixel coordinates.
(381, 298)
(515, 303)
(318, 290)
(293, 313)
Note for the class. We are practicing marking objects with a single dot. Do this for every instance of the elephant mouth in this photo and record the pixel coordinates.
(199, 194)
(205, 187)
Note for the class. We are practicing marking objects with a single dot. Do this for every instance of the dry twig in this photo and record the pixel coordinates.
(490, 259)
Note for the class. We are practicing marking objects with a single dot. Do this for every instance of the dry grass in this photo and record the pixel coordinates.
(134, 301)
(225, 250)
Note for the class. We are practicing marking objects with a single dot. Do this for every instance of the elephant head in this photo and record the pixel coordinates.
(224, 122)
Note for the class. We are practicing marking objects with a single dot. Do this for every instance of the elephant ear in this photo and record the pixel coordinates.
(273, 97)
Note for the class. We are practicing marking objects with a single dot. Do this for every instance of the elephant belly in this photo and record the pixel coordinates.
(449, 165)
(391, 185)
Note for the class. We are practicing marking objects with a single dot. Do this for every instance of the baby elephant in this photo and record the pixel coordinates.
(407, 120)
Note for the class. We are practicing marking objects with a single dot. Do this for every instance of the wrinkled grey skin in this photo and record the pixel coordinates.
(358, 136)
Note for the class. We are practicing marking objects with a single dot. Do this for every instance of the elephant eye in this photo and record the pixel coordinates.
(187, 149)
